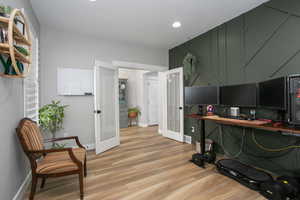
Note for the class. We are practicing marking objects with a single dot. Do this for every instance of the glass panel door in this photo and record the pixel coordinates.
(173, 98)
(106, 107)
(173, 104)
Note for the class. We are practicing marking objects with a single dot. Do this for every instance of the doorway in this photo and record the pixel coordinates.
(131, 98)
(151, 98)
(169, 86)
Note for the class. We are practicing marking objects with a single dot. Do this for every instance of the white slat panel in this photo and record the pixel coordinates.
(31, 85)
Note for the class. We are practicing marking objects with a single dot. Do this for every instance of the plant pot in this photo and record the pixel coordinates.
(132, 114)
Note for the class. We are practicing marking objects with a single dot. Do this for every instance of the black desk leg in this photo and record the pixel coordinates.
(202, 135)
(197, 158)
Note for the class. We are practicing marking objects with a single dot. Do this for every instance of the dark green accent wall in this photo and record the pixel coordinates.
(258, 45)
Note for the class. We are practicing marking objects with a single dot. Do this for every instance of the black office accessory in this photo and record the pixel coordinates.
(200, 110)
(244, 174)
(273, 94)
(284, 188)
(209, 157)
(291, 185)
(244, 95)
(252, 114)
(198, 160)
(202, 95)
(201, 159)
(88, 94)
(273, 191)
(294, 100)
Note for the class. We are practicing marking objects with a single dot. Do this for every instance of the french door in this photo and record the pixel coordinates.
(172, 84)
(106, 107)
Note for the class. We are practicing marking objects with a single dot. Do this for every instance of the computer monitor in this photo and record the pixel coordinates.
(273, 94)
(202, 95)
(244, 95)
(188, 95)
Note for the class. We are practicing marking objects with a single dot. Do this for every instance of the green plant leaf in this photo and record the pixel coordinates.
(52, 116)
(134, 110)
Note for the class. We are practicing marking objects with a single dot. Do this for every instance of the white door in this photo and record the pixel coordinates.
(106, 107)
(173, 104)
(153, 99)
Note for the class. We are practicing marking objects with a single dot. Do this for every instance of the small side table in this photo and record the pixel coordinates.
(131, 119)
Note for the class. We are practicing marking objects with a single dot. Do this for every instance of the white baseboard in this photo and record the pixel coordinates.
(143, 125)
(188, 139)
(21, 191)
(89, 146)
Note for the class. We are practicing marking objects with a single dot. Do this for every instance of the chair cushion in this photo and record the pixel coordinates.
(60, 162)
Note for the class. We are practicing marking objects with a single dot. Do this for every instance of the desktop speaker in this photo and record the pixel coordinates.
(294, 100)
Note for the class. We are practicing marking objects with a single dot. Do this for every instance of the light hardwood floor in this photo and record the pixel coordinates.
(147, 166)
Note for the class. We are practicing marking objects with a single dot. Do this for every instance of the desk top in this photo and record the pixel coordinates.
(246, 123)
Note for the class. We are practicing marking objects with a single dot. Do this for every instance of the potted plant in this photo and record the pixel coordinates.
(51, 119)
(134, 112)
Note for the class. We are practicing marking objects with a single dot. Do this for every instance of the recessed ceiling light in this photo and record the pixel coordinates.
(93, 0)
(176, 24)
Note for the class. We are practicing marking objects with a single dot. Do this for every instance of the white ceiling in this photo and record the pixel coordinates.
(140, 22)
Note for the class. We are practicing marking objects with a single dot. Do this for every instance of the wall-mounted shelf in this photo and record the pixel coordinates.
(4, 49)
(15, 37)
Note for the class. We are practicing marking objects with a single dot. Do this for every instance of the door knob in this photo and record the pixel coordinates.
(97, 111)
(180, 108)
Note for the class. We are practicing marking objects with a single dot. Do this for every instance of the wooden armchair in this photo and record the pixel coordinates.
(52, 162)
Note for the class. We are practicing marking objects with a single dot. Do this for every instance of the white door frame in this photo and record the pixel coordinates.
(105, 145)
(167, 133)
(151, 68)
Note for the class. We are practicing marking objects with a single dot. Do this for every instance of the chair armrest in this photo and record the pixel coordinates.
(66, 138)
(69, 150)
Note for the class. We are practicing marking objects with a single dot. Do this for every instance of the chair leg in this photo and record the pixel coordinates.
(43, 183)
(85, 169)
(33, 187)
(81, 184)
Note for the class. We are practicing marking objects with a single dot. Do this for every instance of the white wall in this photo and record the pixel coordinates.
(14, 164)
(67, 49)
(134, 80)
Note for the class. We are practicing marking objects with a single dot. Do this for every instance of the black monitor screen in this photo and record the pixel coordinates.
(188, 95)
(272, 94)
(239, 95)
(201, 95)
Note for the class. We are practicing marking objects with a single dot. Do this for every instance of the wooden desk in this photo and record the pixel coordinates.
(256, 124)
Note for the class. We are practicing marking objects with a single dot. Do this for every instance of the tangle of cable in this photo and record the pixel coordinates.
(269, 149)
(223, 147)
